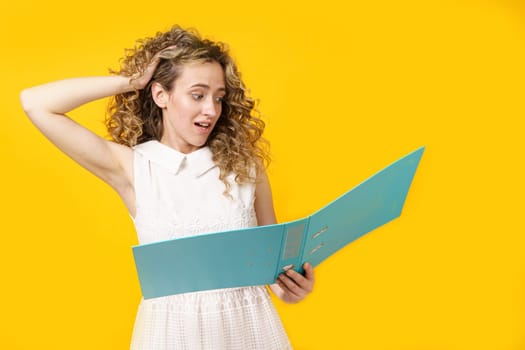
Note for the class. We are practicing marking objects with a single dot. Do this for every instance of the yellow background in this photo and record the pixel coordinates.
(345, 90)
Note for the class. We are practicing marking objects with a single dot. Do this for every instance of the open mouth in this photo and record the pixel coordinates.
(204, 126)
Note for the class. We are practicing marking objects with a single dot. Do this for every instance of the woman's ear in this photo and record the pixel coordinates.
(160, 96)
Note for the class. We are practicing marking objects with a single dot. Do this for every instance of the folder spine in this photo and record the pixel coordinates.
(292, 245)
(302, 259)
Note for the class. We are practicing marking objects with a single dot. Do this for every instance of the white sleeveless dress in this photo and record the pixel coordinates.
(181, 195)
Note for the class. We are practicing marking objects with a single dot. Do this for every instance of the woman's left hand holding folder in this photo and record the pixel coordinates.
(292, 287)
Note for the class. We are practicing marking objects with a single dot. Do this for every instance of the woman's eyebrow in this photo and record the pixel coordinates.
(205, 86)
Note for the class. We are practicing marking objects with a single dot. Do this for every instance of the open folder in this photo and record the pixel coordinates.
(257, 255)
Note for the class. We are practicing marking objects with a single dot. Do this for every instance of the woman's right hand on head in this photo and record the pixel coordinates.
(139, 81)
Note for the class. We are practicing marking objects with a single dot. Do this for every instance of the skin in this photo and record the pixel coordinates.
(195, 98)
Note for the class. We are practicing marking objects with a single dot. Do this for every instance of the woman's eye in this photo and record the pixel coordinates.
(197, 96)
(219, 99)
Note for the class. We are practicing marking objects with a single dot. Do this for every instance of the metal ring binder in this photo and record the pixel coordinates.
(316, 248)
(318, 233)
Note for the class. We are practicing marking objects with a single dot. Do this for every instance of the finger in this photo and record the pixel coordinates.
(163, 53)
(309, 272)
(297, 277)
(292, 286)
(305, 282)
(287, 293)
(171, 47)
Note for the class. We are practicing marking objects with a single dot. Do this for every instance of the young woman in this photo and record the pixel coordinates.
(186, 158)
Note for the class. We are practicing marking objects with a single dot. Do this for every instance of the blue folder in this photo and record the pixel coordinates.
(257, 255)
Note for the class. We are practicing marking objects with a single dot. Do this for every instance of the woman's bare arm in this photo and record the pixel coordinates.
(46, 105)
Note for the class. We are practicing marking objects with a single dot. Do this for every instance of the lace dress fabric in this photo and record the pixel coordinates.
(180, 195)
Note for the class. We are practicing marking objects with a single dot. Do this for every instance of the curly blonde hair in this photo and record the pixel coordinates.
(236, 141)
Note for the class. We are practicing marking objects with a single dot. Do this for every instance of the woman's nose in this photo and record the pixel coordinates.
(212, 108)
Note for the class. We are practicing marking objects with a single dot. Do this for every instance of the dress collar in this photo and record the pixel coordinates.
(197, 162)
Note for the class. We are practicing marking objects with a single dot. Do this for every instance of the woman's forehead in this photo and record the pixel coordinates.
(208, 73)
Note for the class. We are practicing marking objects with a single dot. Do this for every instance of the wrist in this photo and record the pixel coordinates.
(125, 84)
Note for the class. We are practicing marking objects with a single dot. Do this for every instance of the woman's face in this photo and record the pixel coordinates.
(191, 109)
